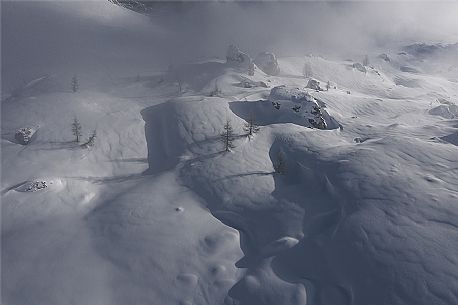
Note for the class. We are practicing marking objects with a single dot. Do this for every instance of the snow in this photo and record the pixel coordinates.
(268, 63)
(157, 212)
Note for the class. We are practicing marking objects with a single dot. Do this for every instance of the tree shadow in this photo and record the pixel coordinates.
(131, 160)
(49, 146)
(110, 179)
(245, 175)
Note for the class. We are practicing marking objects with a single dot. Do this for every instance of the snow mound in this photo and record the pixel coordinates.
(314, 84)
(286, 105)
(248, 83)
(445, 111)
(279, 245)
(268, 63)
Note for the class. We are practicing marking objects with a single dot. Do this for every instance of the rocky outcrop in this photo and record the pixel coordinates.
(236, 57)
(359, 67)
(32, 186)
(384, 57)
(248, 83)
(300, 102)
(24, 135)
(268, 63)
(314, 84)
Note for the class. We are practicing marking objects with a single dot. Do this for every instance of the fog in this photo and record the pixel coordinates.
(298, 27)
(43, 37)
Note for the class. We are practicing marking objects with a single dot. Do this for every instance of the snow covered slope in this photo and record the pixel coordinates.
(157, 212)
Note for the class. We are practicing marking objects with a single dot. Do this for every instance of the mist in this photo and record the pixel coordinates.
(98, 36)
(293, 28)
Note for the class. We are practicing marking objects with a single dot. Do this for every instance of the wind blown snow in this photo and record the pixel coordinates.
(339, 186)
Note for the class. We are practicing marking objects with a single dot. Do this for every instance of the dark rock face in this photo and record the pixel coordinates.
(384, 57)
(24, 135)
(301, 103)
(359, 67)
(268, 63)
(236, 57)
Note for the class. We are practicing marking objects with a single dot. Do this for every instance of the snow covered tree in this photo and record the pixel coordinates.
(227, 136)
(366, 60)
(250, 126)
(328, 86)
(75, 84)
(76, 129)
(91, 141)
(307, 70)
(216, 91)
(251, 69)
(280, 164)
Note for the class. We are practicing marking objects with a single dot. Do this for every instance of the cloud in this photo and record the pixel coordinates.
(298, 27)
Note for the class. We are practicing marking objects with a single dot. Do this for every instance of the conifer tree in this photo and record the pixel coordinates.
(366, 60)
(227, 136)
(250, 126)
(75, 84)
(76, 129)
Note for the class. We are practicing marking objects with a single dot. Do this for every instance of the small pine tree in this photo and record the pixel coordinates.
(328, 86)
(251, 69)
(216, 91)
(75, 84)
(280, 164)
(366, 60)
(227, 136)
(307, 70)
(251, 127)
(76, 129)
(91, 141)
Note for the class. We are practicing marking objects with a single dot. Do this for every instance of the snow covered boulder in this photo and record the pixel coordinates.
(359, 67)
(268, 63)
(32, 186)
(384, 57)
(314, 84)
(24, 135)
(248, 83)
(300, 102)
(236, 57)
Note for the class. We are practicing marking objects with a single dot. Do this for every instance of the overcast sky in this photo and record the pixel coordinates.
(80, 36)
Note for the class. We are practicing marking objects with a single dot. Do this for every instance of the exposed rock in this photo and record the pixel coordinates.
(384, 57)
(446, 111)
(251, 69)
(302, 103)
(236, 57)
(32, 186)
(314, 84)
(268, 63)
(248, 83)
(359, 67)
(409, 69)
(24, 135)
